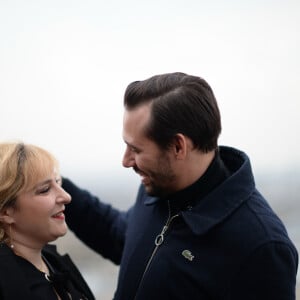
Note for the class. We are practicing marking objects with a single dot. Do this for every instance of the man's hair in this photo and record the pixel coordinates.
(180, 103)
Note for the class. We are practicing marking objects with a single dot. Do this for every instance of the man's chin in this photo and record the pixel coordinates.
(153, 191)
(149, 190)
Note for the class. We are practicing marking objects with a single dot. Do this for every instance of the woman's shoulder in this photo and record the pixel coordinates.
(5, 250)
(51, 249)
(63, 263)
(58, 260)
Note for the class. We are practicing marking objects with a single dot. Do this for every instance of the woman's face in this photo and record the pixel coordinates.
(38, 216)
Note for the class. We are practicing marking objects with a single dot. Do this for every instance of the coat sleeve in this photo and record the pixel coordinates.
(269, 273)
(97, 224)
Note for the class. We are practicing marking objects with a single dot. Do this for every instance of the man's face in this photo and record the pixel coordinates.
(144, 156)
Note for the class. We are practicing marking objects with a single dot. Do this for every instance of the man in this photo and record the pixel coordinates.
(199, 229)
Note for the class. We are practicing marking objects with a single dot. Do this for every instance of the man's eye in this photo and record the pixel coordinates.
(134, 150)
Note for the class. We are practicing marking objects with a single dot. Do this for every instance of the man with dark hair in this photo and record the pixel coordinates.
(199, 228)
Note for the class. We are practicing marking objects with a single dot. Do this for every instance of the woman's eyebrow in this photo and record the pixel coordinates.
(47, 181)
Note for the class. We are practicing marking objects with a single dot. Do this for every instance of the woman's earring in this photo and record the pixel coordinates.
(10, 238)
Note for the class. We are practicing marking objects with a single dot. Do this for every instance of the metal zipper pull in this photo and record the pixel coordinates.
(158, 241)
(160, 238)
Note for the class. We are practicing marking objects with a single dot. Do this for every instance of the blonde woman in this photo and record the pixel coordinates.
(32, 204)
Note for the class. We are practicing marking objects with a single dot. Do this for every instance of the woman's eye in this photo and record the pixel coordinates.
(59, 181)
(44, 190)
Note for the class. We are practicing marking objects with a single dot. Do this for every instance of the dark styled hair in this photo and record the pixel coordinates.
(180, 103)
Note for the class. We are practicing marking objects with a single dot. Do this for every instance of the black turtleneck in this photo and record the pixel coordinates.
(215, 174)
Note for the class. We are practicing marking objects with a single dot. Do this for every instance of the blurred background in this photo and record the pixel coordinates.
(64, 66)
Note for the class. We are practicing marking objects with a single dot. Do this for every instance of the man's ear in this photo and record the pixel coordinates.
(180, 146)
(6, 215)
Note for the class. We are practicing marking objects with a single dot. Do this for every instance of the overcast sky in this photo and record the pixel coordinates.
(64, 66)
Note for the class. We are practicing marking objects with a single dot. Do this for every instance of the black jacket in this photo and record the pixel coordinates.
(14, 285)
(225, 245)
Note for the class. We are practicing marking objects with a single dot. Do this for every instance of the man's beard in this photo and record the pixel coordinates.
(161, 179)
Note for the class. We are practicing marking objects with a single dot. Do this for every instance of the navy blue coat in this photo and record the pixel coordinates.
(228, 245)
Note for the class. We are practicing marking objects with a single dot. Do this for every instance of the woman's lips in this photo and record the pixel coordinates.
(60, 215)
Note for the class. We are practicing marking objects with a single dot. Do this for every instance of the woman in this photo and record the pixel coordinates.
(32, 204)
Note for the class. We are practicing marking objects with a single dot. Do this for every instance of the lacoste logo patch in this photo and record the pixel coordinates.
(188, 254)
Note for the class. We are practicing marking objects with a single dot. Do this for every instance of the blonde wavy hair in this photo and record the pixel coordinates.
(21, 167)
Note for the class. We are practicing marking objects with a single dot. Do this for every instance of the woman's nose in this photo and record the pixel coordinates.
(64, 196)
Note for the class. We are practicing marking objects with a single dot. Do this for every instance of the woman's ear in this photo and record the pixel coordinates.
(6, 215)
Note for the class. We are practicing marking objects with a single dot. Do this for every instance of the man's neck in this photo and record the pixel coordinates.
(193, 168)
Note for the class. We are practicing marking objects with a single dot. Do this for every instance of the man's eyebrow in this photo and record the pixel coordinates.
(132, 146)
(128, 144)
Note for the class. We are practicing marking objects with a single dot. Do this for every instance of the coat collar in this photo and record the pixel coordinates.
(223, 200)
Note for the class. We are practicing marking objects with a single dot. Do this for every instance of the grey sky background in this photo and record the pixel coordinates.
(64, 66)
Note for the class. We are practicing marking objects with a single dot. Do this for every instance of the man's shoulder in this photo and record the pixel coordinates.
(264, 219)
(257, 224)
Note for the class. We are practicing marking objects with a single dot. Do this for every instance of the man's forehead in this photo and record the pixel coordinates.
(142, 111)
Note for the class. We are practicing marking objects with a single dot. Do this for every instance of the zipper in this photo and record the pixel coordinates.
(160, 238)
(158, 241)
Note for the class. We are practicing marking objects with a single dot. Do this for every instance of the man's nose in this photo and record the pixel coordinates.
(128, 159)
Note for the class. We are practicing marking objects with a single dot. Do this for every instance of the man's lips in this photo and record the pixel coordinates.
(144, 178)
